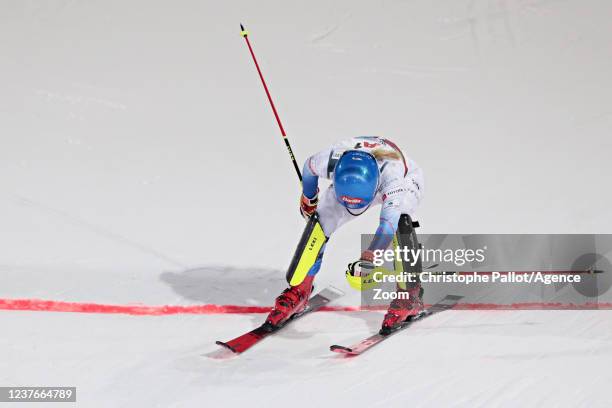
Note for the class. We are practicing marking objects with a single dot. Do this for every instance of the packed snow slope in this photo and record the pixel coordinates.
(140, 163)
(454, 359)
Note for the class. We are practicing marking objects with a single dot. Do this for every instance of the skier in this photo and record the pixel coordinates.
(366, 171)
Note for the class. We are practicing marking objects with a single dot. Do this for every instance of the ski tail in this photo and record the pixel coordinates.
(327, 295)
(446, 303)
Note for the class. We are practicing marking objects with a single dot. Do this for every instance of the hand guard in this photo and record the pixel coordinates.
(308, 206)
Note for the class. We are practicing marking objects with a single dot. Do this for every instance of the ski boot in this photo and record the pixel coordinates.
(401, 309)
(292, 301)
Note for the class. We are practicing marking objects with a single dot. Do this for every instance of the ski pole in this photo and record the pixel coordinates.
(245, 34)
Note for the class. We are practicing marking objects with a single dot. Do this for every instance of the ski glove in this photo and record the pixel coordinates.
(360, 268)
(308, 206)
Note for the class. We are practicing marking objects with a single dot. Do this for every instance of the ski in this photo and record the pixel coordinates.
(448, 302)
(242, 343)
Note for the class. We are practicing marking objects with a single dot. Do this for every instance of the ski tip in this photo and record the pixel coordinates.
(340, 349)
(227, 346)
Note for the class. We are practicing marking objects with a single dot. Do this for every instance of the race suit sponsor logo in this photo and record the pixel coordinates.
(393, 192)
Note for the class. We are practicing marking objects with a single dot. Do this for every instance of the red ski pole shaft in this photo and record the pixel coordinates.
(245, 34)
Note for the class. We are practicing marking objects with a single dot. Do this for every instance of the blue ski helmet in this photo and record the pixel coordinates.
(356, 179)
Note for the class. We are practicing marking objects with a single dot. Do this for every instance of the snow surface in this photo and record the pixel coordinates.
(135, 134)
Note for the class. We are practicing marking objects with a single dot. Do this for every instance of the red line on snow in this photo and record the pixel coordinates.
(145, 310)
(39, 305)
